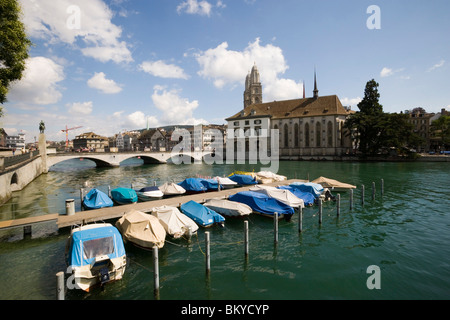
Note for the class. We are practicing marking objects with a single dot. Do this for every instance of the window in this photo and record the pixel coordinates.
(236, 123)
(286, 135)
(306, 134)
(318, 129)
(330, 134)
(247, 122)
(257, 122)
(296, 134)
(98, 247)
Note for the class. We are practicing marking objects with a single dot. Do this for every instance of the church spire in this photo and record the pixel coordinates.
(316, 92)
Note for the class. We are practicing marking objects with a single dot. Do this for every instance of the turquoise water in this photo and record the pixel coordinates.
(405, 233)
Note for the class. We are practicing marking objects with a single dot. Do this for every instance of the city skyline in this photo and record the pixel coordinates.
(111, 66)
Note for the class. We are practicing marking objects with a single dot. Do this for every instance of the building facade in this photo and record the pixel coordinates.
(90, 141)
(309, 128)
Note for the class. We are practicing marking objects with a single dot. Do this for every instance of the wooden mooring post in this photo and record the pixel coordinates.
(320, 211)
(60, 291)
(362, 194)
(275, 227)
(155, 272)
(382, 187)
(207, 251)
(351, 199)
(300, 219)
(373, 190)
(246, 247)
(338, 205)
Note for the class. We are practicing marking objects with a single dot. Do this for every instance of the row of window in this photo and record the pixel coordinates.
(247, 122)
(308, 134)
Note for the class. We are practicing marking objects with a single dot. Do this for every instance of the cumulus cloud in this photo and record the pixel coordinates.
(161, 69)
(86, 20)
(175, 108)
(202, 7)
(386, 72)
(99, 81)
(229, 67)
(39, 84)
(80, 108)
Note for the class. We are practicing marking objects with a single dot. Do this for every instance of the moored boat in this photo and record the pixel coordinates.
(243, 179)
(263, 204)
(95, 255)
(334, 185)
(141, 229)
(282, 195)
(202, 215)
(226, 183)
(96, 199)
(170, 189)
(149, 193)
(192, 186)
(124, 195)
(228, 208)
(307, 197)
(174, 222)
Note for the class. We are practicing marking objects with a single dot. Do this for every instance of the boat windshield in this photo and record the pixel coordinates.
(98, 247)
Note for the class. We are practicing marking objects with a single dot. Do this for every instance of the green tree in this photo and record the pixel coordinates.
(366, 125)
(14, 46)
(440, 128)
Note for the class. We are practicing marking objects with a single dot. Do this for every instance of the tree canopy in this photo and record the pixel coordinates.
(375, 131)
(14, 46)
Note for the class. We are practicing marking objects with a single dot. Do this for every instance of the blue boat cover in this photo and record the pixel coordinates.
(243, 179)
(147, 189)
(307, 197)
(201, 214)
(87, 244)
(210, 184)
(96, 199)
(124, 195)
(262, 203)
(314, 188)
(192, 184)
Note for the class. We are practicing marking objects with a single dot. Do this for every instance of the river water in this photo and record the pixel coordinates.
(405, 233)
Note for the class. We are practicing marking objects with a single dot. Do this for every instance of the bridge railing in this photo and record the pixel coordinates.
(6, 162)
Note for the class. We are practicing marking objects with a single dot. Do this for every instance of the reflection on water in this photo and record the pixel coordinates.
(405, 233)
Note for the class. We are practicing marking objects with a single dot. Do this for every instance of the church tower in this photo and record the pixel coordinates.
(253, 88)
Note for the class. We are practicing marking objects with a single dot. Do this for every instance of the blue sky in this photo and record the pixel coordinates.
(114, 65)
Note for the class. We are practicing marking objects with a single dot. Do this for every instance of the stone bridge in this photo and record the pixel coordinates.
(102, 159)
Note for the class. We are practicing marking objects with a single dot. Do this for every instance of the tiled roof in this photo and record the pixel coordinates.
(297, 108)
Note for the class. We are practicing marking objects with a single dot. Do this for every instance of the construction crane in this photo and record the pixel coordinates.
(67, 134)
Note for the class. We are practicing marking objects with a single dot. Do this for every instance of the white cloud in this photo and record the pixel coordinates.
(226, 67)
(386, 72)
(67, 21)
(80, 108)
(99, 81)
(161, 69)
(135, 120)
(350, 101)
(437, 65)
(195, 7)
(39, 84)
(176, 110)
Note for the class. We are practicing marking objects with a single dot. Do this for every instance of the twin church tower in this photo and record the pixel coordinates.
(253, 88)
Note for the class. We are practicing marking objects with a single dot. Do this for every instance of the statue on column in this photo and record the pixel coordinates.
(41, 126)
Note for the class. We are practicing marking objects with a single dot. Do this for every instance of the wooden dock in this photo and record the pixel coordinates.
(83, 217)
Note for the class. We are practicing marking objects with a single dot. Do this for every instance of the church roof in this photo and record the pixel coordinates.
(297, 108)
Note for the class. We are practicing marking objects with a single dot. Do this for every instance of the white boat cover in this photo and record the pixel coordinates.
(142, 229)
(228, 208)
(281, 195)
(268, 177)
(333, 184)
(170, 189)
(225, 182)
(174, 222)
